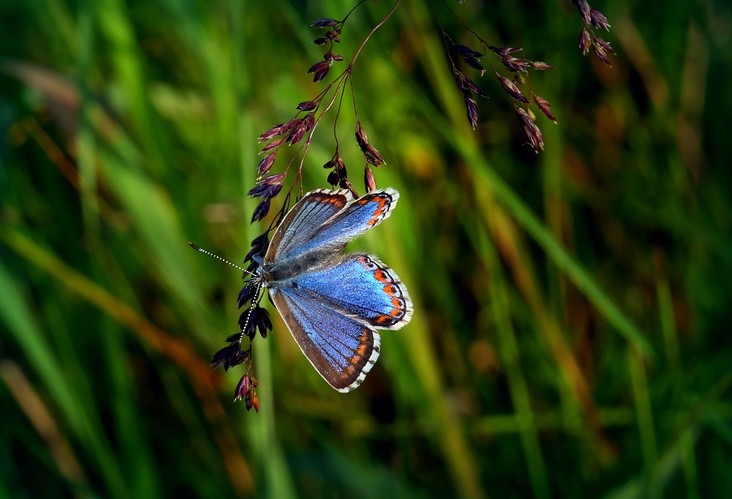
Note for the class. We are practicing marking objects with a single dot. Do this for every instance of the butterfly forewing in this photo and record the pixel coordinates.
(344, 225)
(300, 222)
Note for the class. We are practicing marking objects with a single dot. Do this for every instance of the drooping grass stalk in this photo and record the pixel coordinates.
(644, 415)
(441, 423)
(38, 349)
(510, 353)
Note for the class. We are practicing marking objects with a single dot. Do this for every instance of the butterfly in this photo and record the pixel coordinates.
(331, 302)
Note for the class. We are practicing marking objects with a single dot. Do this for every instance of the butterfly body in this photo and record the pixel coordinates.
(332, 303)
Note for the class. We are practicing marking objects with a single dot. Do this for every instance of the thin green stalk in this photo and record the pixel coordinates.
(39, 352)
(263, 430)
(551, 421)
(554, 249)
(644, 413)
(508, 346)
(454, 131)
(668, 323)
(442, 423)
(689, 466)
(675, 369)
(85, 140)
(115, 28)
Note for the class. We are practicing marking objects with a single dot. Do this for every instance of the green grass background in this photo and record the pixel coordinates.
(571, 334)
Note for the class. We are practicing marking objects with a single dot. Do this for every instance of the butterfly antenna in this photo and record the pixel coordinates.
(206, 252)
(252, 306)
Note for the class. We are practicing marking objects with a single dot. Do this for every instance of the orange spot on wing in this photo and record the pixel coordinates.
(397, 302)
(360, 352)
(397, 310)
(357, 359)
(383, 204)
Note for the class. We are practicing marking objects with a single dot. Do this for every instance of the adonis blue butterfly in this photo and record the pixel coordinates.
(331, 302)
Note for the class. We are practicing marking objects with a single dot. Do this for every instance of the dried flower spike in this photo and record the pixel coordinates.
(466, 85)
(585, 41)
(370, 153)
(242, 388)
(330, 57)
(272, 132)
(261, 210)
(307, 105)
(266, 164)
(268, 187)
(333, 178)
(515, 65)
(601, 54)
(246, 295)
(272, 145)
(599, 20)
(245, 390)
(584, 10)
(602, 43)
(369, 181)
(319, 70)
(259, 248)
(339, 174)
(530, 130)
(471, 108)
(325, 22)
(511, 89)
(334, 35)
(229, 356)
(470, 56)
(252, 400)
(540, 66)
(544, 107)
(299, 127)
(504, 51)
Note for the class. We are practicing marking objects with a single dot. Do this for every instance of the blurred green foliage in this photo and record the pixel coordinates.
(571, 335)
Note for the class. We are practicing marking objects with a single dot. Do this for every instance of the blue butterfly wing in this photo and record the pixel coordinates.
(340, 347)
(332, 304)
(355, 218)
(308, 214)
(361, 286)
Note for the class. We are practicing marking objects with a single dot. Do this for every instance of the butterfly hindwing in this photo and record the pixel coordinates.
(340, 347)
(362, 286)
